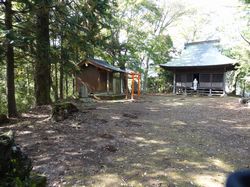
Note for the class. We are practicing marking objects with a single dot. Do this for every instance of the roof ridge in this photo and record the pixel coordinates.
(201, 42)
(105, 64)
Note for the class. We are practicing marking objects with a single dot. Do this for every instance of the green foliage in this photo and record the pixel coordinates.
(242, 57)
(131, 34)
(77, 30)
(162, 83)
(159, 49)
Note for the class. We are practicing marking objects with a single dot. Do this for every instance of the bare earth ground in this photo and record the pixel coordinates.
(154, 141)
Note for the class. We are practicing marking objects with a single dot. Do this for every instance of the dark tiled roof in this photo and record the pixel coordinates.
(105, 65)
(199, 54)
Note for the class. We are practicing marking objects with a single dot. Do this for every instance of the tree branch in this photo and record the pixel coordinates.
(245, 39)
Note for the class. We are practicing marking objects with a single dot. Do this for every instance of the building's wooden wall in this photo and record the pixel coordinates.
(207, 78)
(95, 78)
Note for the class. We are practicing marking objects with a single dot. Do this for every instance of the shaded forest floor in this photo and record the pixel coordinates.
(154, 141)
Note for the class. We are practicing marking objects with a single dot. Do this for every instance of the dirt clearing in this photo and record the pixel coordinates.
(155, 141)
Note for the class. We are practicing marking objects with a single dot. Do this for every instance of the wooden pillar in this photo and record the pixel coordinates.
(224, 85)
(107, 82)
(121, 82)
(133, 86)
(174, 84)
(126, 76)
(139, 86)
(211, 80)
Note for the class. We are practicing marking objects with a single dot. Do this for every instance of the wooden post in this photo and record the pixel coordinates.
(121, 82)
(211, 83)
(107, 82)
(133, 86)
(139, 86)
(126, 76)
(211, 79)
(224, 85)
(174, 84)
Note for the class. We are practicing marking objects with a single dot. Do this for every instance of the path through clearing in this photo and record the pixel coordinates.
(155, 141)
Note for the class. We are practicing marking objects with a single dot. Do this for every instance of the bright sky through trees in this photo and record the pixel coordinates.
(223, 20)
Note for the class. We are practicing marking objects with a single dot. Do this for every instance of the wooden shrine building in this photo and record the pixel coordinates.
(100, 78)
(201, 61)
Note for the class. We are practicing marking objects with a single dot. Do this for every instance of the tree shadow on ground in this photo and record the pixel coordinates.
(158, 141)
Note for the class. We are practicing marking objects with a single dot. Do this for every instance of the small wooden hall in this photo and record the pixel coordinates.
(100, 78)
(105, 81)
(201, 61)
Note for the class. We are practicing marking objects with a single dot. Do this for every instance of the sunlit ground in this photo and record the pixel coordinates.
(158, 140)
(182, 141)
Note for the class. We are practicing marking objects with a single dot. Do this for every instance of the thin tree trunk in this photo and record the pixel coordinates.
(12, 112)
(43, 66)
(61, 82)
(235, 86)
(73, 85)
(66, 85)
(28, 80)
(74, 75)
(56, 82)
(61, 68)
(145, 85)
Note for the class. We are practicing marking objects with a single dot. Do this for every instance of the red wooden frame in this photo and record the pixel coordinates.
(134, 75)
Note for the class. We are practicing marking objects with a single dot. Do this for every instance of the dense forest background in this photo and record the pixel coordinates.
(42, 41)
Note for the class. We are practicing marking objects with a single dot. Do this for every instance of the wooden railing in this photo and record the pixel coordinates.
(200, 85)
(211, 84)
(184, 84)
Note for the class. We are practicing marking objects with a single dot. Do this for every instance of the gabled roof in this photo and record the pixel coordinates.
(200, 54)
(103, 65)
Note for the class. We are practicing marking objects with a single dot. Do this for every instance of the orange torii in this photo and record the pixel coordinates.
(134, 75)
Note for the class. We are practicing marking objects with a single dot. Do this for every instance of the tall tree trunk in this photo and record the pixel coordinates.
(61, 80)
(28, 79)
(12, 112)
(66, 85)
(73, 85)
(63, 60)
(74, 75)
(43, 66)
(56, 82)
(145, 85)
